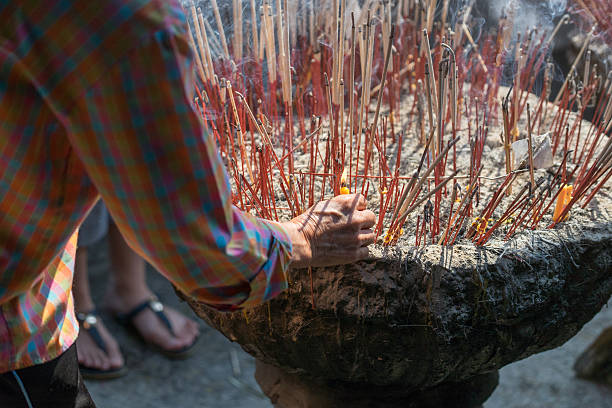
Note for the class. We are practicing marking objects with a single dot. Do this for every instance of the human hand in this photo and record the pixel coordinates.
(332, 232)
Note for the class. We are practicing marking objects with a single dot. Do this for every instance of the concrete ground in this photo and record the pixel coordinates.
(220, 374)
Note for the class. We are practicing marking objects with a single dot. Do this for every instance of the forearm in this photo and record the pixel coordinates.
(160, 175)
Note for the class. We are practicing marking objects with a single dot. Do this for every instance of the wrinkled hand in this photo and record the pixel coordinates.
(332, 232)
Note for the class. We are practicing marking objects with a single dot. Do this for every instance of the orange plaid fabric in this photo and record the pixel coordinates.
(95, 98)
(45, 312)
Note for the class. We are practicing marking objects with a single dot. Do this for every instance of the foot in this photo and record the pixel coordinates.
(91, 356)
(149, 326)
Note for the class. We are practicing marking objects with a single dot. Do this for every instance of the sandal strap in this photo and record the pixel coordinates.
(155, 306)
(88, 322)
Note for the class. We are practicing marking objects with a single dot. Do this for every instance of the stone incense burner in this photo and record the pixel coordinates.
(423, 328)
(428, 326)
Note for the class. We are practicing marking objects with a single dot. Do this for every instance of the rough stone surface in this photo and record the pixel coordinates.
(206, 380)
(291, 391)
(596, 361)
(410, 321)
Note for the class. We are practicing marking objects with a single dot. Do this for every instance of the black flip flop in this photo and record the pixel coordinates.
(157, 307)
(88, 322)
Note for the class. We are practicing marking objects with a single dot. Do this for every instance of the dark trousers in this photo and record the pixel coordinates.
(55, 384)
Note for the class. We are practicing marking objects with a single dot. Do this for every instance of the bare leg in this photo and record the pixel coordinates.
(128, 288)
(80, 283)
(89, 354)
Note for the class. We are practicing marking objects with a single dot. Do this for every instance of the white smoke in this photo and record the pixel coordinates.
(529, 14)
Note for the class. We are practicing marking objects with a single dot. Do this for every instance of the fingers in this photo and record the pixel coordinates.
(349, 239)
(336, 231)
(366, 237)
(363, 238)
(366, 219)
(350, 202)
(349, 256)
(341, 256)
(361, 220)
(362, 253)
(361, 202)
(354, 206)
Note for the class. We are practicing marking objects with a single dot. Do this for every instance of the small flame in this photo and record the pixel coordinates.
(343, 187)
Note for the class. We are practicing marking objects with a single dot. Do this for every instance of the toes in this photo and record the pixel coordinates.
(96, 360)
(176, 343)
(103, 359)
(116, 361)
(195, 329)
(90, 355)
(114, 356)
(154, 331)
(189, 334)
(183, 338)
(84, 360)
(192, 335)
(185, 334)
(191, 330)
(87, 352)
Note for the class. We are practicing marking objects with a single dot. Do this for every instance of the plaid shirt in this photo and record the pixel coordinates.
(95, 98)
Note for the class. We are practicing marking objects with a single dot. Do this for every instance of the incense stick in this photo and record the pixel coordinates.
(530, 148)
(220, 28)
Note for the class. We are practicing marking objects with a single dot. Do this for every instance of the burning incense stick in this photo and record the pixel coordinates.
(352, 91)
(404, 214)
(198, 54)
(220, 28)
(478, 55)
(403, 211)
(244, 157)
(382, 81)
(465, 200)
(431, 77)
(530, 148)
(254, 26)
(573, 67)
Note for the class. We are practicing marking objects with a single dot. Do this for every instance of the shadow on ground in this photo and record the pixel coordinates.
(220, 374)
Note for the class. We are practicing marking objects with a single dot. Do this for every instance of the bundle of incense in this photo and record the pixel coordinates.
(215, 8)
(243, 154)
(574, 65)
(409, 187)
(430, 72)
(384, 78)
(402, 215)
(404, 210)
(469, 194)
